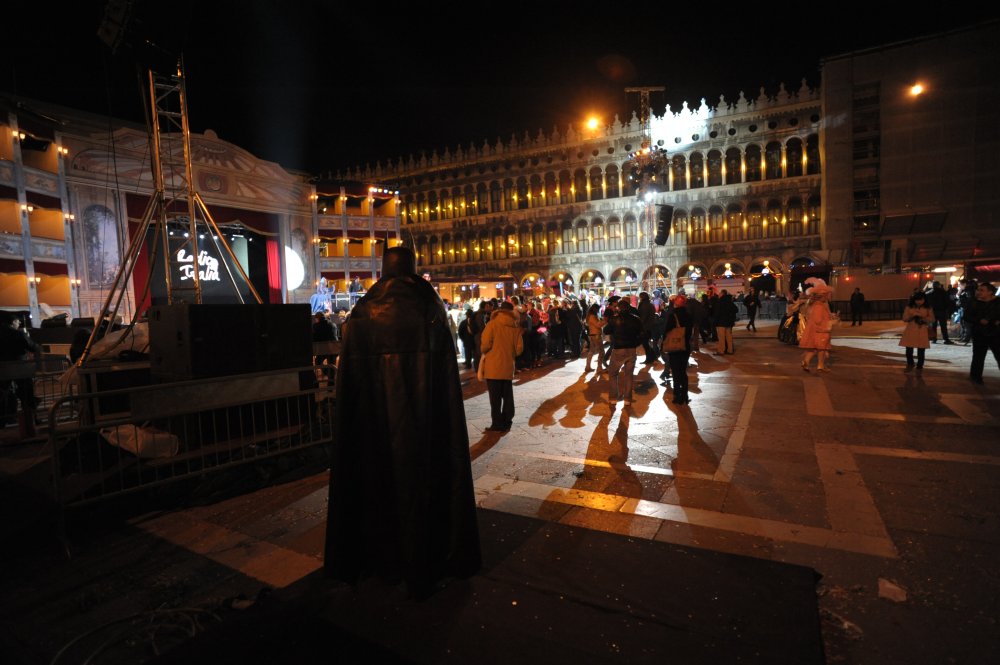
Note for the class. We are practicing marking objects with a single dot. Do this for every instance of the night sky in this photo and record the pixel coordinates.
(316, 87)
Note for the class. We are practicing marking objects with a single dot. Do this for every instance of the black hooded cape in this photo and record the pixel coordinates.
(402, 503)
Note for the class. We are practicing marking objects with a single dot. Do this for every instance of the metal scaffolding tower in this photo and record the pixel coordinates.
(176, 211)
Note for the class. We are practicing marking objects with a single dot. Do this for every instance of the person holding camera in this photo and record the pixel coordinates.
(917, 316)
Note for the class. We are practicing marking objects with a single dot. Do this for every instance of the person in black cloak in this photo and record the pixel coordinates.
(402, 503)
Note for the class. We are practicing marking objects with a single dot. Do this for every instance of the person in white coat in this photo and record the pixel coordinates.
(501, 344)
(917, 316)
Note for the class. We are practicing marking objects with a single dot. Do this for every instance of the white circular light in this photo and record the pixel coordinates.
(295, 270)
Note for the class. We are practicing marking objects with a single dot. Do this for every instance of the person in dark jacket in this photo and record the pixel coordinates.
(678, 360)
(857, 307)
(16, 344)
(941, 305)
(725, 319)
(752, 303)
(647, 316)
(323, 331)
(402, 504)
(626, 333)
(983, 318)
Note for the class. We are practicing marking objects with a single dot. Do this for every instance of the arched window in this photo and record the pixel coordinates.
(565, 187)
(631, 233)
(755, 219)
(482, 198)
(522, 193)
(681, 227)
(524, 243)
(432, 204)
(812, 155)
(509, 194)
(486, 246)
(461, 249)
(447, 207)
(697, 171)
(434, 255)
(678, 167)
(580, 186)
(793, 158)
(614, 234)
(496, 197)
(447, 249)
(774, 227)
(423, 252)
(629, 180)
(499, 242)
(794, 215)
(813, 213)
(714, 168)
(468, 201)
(734, 166)
(754, 163)
(611, 180)
(716, 220)
(552, 239)
(567, 237)
(582, 237)
(735, 222)
(597, 232)
(596, 183)
(772, 161)
(551, 187)
(538, 240)
(537, 192)
(697, 226)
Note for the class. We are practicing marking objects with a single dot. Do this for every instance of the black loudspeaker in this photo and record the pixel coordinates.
(663, 219)
(199, 341)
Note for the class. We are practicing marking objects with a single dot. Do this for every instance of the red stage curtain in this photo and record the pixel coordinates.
(273, 272)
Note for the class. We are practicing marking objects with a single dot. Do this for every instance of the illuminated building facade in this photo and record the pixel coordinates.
(852, 178)
(73, 188)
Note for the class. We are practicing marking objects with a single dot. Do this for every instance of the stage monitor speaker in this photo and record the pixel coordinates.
(663, 219)
(199, 341)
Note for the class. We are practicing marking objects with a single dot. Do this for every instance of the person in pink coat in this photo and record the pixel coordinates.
(816, 336)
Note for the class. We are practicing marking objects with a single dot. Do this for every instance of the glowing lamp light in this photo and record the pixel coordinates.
(916, 89)
(295, 270)
(592, 123)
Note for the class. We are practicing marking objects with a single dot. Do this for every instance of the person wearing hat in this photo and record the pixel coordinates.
(816, 336)
(678, 317)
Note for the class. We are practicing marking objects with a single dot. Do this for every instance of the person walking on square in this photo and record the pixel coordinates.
(626, 335)
(402, 504)
(857, 307)
(983, 319)
(466, 337)
(752, 303)
(815, 337)
(678, 317)
(916, 335)
(502, 343)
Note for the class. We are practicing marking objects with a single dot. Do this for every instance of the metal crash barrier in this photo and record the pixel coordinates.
(115, 442)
